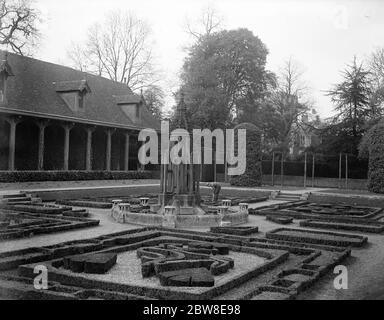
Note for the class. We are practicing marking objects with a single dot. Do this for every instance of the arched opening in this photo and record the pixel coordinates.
(99, 145)
(117, 152)
(27, 145)
(77, 148)
(54, 147)
(4, 144)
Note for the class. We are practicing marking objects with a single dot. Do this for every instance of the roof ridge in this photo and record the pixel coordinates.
(3, 52)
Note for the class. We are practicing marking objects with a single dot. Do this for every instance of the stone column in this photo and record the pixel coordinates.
(108, 150)
(88, 156)
(12, 141)
(40, 162)
(67, 130)
(126, 152)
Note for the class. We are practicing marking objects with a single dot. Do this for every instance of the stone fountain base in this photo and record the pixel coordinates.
(181, 211)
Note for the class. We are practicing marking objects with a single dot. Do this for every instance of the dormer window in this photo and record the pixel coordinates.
(5, 72)
(131, 106)
(73, 93)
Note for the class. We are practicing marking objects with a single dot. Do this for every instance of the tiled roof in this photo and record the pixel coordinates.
(34, 90)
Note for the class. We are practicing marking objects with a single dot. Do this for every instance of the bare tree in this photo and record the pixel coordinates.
(289, 105)
(154, 98)
(119, 49)
(209, 22)
(376, 64)
(78, 57)
(376, 68)
(290, 79)
(18, 28)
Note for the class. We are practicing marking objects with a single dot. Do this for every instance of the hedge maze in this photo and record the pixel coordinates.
(159, 263)
(190, 265)
(22, 216)
(326, 216)
(18, 224)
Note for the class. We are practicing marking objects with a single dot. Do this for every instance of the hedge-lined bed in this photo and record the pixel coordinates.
(317, 237)
(86, 204)
(26, 176)
(361, 226)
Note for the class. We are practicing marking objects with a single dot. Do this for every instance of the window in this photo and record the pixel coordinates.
(73, 93)
(80, 100)
(74, 100)
(132, 111)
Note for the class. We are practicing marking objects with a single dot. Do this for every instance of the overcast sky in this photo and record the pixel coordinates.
(323, 36)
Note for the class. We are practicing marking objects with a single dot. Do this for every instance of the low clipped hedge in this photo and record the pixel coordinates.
(27, 176)
(376, 158)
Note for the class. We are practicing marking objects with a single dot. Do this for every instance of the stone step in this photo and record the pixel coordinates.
(284, 196)
(16, 203)
(13, 200)
(291, 194)
(287, 198)
(14, 195)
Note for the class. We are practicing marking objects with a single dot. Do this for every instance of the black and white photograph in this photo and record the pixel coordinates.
(191, 156)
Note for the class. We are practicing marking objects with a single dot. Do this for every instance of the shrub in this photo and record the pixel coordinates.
(23, 176)
(252, 175)
(376, 158)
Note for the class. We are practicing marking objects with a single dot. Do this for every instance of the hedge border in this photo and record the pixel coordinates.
(27, 176)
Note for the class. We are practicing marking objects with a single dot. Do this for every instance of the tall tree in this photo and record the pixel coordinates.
(287, 104)
(351, 98)
(18, 25)
(119, 48)
(221, 71)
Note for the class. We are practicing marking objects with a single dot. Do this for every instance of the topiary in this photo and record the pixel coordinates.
(252, 175)
(375, 148)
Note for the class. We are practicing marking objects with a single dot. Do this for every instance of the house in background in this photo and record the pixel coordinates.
(56, 118)
(305, 134)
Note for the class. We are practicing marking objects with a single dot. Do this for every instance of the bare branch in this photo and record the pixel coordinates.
(208, 23)
(18, 30)
(119, 49)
